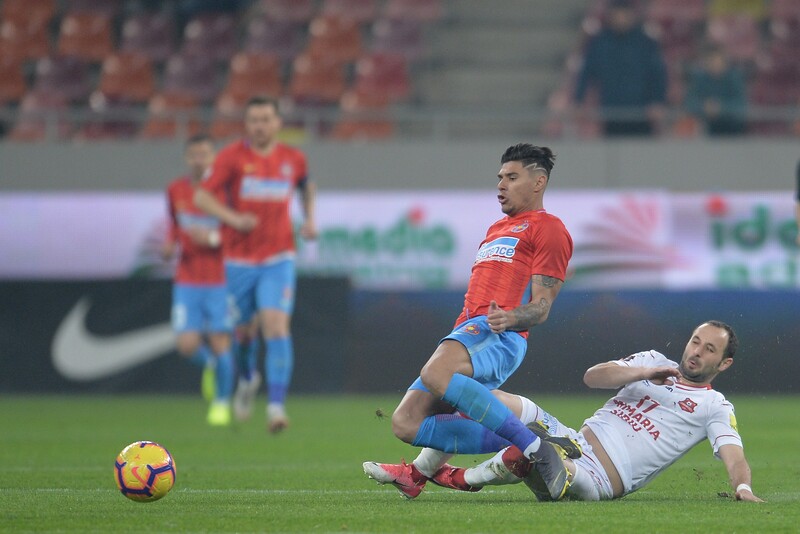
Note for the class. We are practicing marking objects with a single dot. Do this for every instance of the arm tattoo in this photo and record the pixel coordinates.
(530, 314)
(545, 281)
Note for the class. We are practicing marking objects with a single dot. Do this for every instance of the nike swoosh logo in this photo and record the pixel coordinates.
(81, 355)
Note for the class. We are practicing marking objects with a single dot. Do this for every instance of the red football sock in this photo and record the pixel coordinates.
(516, 462)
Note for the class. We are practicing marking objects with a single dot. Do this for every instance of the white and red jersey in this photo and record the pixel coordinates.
(262, 185)
(514, 249)
(646, 427)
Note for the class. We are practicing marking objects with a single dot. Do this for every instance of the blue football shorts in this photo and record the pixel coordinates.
(495, 357)
(261, 287)
(201, 308)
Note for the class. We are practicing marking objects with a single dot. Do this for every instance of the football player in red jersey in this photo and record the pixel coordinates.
(258, 176)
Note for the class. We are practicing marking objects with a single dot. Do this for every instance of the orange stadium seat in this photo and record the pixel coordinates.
(38, 114)
(86, 36)
(109, 118)
(360, 11)
(386, 74)
(316, 80)
(151, 34)
(254, 74)
(211, 34)
(679, 38)
(191, 75)
(12, 80)
(169, 116)
(65, 76)
(289, 10)
(363, 117)
(228, 120)
(421, 10)
(685, 10)
(28, 10)
(774, 84)
(24, 40)
(128, 75)
(336, 38)
(284, 39)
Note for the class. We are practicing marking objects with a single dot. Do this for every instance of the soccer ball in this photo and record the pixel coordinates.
(145, 471)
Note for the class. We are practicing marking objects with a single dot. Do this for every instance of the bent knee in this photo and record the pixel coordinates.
(404, 427)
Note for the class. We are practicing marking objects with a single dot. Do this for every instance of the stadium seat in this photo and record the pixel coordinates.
(24, 40)
(39, 11)
(86, 36)
(679, 38)
(284, 39)
(151, 34)
(685, 10)
(65, 76)
(38, 117)
(363, 117)
(169, 116)
(12, 80)
(109, 118)
(127, 75)
(419, 10)
(336, 38)
(289, 10)
(211, 34)
(191, 75)
(360, 11)
(384, 74)
(774, 85)
(397, 36)
(228, 120)
(738, 35)
(254, 74)
(316, 80)
(783, 9)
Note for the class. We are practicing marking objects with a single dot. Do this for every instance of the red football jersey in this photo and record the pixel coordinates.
(263, 186)
(197, 264)
(516, 248)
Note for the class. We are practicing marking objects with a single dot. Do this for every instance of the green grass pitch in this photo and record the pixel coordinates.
(57, 455)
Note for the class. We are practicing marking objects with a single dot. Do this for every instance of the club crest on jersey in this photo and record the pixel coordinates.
(287, 170)
(687, 405)
(520, 227)
(249, 168)
(500, 249)
(472, 329)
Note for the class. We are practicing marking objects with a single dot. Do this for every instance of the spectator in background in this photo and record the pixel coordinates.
(627, 69)
(716, 94)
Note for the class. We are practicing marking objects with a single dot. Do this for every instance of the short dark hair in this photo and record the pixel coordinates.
(262, 100)
(528, 154)
(199, 138)
(733, 341)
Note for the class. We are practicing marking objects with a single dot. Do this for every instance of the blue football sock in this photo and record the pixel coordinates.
(201, 357)
(457, 435)
(278, 365)
(224, 376)
(473, 399)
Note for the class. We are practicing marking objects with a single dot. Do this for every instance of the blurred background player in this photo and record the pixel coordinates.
(517, 274)
(797, 203)
(257, 176)
(662, 410)
(200, 311)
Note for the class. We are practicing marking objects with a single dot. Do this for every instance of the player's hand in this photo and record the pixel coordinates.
(499, 320)
(309, 230)
(198, 235)
(244, 222)
(747, 495)
(168, 250)
(662, 376)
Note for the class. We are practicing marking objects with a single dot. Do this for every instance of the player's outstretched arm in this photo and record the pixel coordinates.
(244, 222)
(738, 472)
(544, 290)
(611, 375)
